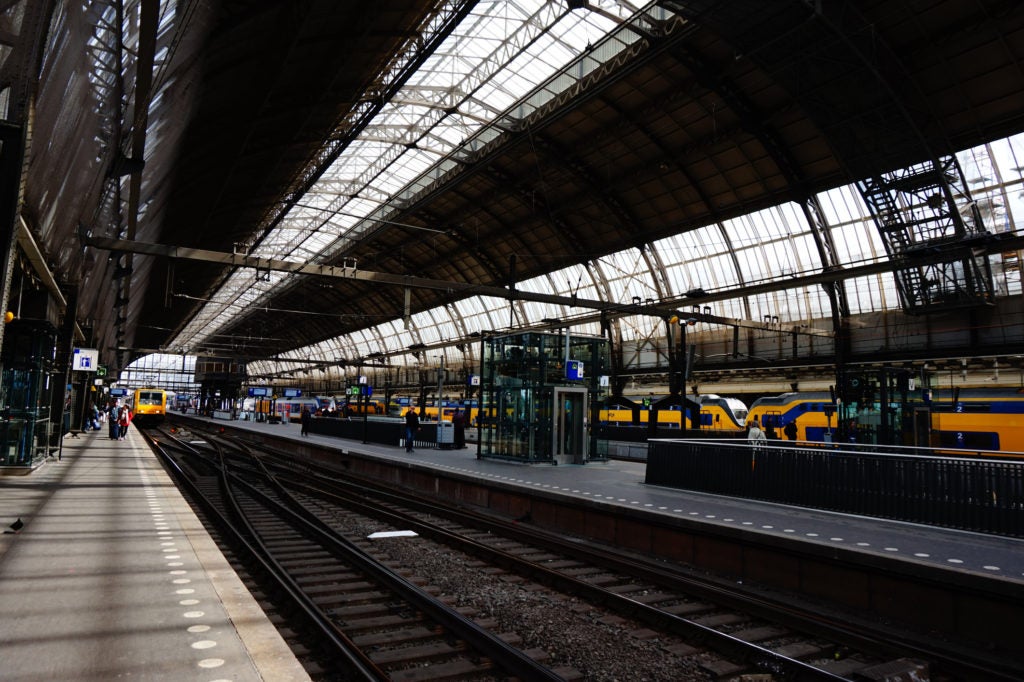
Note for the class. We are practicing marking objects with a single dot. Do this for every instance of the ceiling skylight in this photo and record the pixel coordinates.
(499, 54)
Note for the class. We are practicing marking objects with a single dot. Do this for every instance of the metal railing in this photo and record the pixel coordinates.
(978, 493)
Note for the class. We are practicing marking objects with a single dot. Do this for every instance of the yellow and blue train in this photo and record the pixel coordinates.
(968, 419)
(716, 414)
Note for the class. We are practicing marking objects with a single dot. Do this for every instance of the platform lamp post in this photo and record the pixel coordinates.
(364, 401)
(440, 388)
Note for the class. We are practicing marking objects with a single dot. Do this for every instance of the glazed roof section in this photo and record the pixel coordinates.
(498, 55)
(768, 245)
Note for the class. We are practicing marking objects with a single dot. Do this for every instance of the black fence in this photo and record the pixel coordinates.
(374, 430)
(618, 433)
(977, 494)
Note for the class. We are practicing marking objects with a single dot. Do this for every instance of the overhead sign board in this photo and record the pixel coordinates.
(293, 393)
(259, 392)
(118, 392)
(574, 370)
(85, 360)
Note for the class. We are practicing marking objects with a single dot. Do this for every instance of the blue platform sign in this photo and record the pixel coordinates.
(258, 391)
(293, 393)
(574, 370)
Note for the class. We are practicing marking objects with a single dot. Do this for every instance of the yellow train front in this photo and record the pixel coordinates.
(149, 406)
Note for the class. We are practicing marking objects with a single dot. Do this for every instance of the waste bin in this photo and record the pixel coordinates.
(445, 435)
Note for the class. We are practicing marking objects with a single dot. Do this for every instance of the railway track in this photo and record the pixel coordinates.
(725, 632)
(360, 619)
(739, 632)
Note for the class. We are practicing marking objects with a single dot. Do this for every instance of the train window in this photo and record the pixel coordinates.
(151, 398)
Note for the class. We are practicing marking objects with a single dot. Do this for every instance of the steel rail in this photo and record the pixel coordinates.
(753, 654)
(510, 658)
(359, 663)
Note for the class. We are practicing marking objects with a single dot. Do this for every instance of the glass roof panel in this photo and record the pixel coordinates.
(498, 54)
(628, 276)
(483, 313)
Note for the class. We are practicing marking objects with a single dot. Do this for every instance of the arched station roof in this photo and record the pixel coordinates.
(606, 150)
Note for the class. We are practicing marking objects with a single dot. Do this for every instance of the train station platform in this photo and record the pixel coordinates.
(619, 483)
(111, 576)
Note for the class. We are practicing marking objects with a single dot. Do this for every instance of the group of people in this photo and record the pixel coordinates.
(94, 418)
(755, 434)
(412, 427)
(118, 417)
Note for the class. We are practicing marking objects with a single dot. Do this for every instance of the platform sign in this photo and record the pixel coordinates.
(258, 392)
(574, 370)
(85, 360)
(474, 380)
(293, 393)
(118, 392)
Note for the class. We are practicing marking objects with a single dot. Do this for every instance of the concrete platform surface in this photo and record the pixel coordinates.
(112, 576)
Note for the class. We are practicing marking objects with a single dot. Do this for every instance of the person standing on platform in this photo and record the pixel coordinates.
(113, 419)
(756, 435)
(412, 425)
(123, 422)
(305, 419)
(790, 430)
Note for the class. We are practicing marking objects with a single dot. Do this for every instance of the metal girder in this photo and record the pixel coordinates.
(664, 308)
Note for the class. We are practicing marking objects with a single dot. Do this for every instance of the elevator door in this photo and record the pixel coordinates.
(570, 433)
